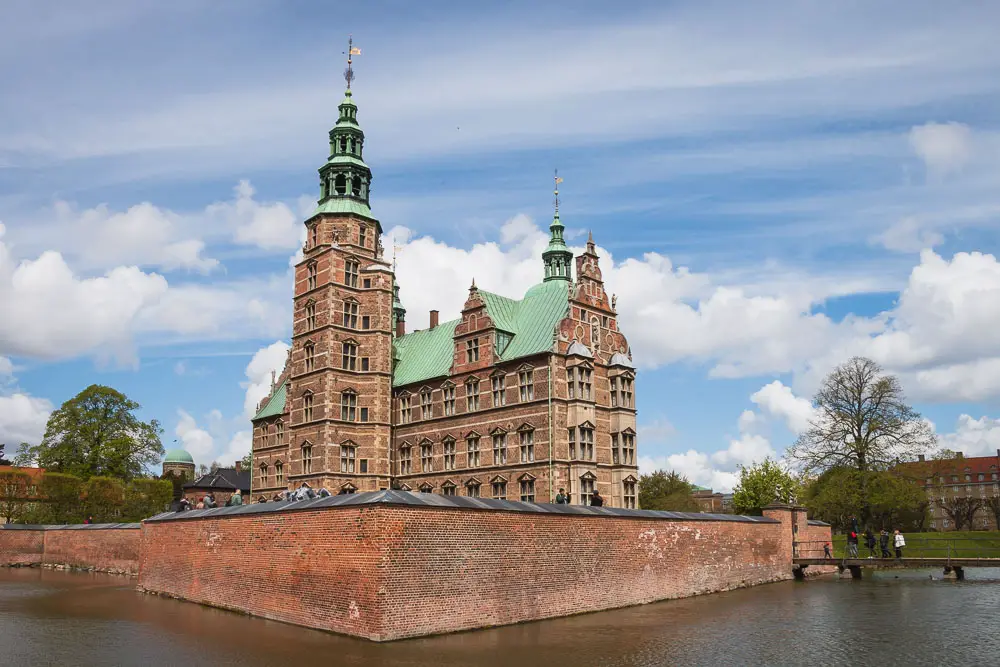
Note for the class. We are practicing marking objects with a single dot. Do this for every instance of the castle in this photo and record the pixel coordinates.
(514, 400)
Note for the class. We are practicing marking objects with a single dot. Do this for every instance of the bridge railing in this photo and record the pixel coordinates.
(917, 546)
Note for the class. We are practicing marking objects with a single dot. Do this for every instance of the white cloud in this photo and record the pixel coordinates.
(974, 437)
(271, 226)
(237, 448)
(777, 400)
(6, 369)
(197, 441)
(909, 235)
(22, 419)
(944, 147)
(266, 363)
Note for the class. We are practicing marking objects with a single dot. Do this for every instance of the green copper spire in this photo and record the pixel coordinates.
(557, 257)
(345, 178)
(398, 312)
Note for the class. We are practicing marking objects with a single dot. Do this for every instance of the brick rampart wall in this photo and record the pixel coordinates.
(384, 571)
(105, 549)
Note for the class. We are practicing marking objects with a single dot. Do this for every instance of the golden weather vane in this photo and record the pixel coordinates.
(558, 181)
(351, 51)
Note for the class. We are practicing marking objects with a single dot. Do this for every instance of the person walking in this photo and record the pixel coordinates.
(883, 542)
(870, 542)
(898, 541)
(826, 551)
(596, 500)
(852, 544)
(561, 497)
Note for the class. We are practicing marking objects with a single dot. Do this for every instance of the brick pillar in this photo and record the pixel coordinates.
(788, 515)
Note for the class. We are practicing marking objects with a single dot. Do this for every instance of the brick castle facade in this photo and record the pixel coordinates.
(513, 400)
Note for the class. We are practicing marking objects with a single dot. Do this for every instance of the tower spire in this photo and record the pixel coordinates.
(557, 258)
(349, 72)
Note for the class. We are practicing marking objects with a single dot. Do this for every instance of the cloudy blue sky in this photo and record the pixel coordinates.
(774, 187)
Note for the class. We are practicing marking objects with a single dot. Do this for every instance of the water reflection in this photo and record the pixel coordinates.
(49, 617)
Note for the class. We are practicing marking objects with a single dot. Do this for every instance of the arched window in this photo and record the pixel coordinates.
(341, 184)
(343, 144)
(356, 186)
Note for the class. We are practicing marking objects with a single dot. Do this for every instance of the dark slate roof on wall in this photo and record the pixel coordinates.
(226, 479)
(413, 499)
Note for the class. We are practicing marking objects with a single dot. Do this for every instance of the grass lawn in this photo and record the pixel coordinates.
(957, 544)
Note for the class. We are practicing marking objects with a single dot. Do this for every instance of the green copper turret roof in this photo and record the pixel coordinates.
(345, 179)
(178, 456)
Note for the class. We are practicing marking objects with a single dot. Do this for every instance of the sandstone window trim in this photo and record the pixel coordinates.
(307, 458)
(348, 405)
(312, 275)
(448, 398)
(362, 236)
(473, 443)
(279, 432)
(499, 487)
(499, 441)
(352, 269)
(307, 406)
(473, 488)
(310, 315)
(448, 488)
(426, 456)
(629, 495)
(472, 350)
(426, 487)
(628, 447)
(405, 464)
(263, 474)
(348, 489)
(350, 309)
(526, 486)
(588, 484)
(526, 384)
(472, 394)
(450, 452)
(309, 356)
(405, 410)
(349, 354)
(526, 443)
(279, 473)
(426, 403)
(572, 442)
(498, 384)
(586, 432)
(348, 456)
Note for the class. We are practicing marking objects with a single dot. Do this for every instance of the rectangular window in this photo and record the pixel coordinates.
(629, 494)
(404, 409)
(311, 272)
(307, 460)
(500, 490)
(499, 390)
(347, 456)
(350, 315)
(449, 400)
(499, 449)
(366, 322)
(615, 454)
(350, 356)
(351, 269)
(583, 383)
(472, 351)
(310, 352)
(472, 490)
(405, 461)
(626, 393)
(527, 446)
(586, 490)
(526, 385)
(449, 454)
(314, 236)
(367, 283)
(527, 490)
(363, 465)
(628, 449)
(587, 443)
(311, 316)
(426, 407)
(364, 414)
(263, 475)
(448, 491)
(572, 442)
(472, 395)
(614, 392)
(279, 473)
(279, 433)
(365, 362)
(307, 407)
(570, 386)
(426, 457)
(362, 236)
(348, 406)
(473, 444)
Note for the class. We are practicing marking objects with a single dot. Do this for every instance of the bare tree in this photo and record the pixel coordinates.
(993, 505)
(961, 510)
(862, 421)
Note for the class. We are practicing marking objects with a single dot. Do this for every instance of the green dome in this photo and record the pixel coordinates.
(178, 456)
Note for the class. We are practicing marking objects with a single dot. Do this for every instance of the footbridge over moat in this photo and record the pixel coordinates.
(951, 554)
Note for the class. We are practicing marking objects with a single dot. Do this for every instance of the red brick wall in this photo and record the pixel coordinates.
(388, 572)
(106, 550)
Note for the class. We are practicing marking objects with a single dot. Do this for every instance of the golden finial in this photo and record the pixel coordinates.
(558, 181)
(351, 51)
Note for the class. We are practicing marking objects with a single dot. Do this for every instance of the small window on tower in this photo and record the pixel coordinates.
(367, 283)
(341, 184)
(356, 186)
(362, 234)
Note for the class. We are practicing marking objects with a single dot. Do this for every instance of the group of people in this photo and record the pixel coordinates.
(304, 492)
(208, 502)
(882, 542)
(596, 499)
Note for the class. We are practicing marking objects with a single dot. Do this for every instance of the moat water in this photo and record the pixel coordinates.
(895, 618)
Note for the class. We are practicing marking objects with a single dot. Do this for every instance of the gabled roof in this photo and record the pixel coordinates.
(423, 355)
(227, 479)
(276, 405)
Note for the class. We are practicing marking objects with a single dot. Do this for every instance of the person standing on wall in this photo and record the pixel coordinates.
(596, 500)
(561, 497)
(899, 542)
(852, 544)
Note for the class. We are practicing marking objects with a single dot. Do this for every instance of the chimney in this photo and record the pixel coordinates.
(920, 457)
(239, 466)
(400, 328)
(434, 319)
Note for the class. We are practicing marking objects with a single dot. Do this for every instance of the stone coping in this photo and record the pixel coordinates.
(817, 522)
(72, 526)
(433, 500)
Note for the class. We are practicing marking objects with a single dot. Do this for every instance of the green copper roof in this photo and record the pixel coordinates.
(428, 354)
(276, 405)
(178, 456)
(343, 205)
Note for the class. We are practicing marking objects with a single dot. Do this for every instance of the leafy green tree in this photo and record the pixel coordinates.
(15, 494)
(96, 433)
(105, 499)
(60, 503)
(762, 484)
(663, 490)
(147, 497)
(894, 501)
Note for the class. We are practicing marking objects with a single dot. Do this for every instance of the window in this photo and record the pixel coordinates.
(626, 400)
(499, 390)
(362, 236)
(311, 277)
(263, 474)
(980, 477)
(628, 447)
(310, 316)
(366, 283)
(449, 454)
(310, 351)
(583, 376)
(472, 395)
(570, 387)
(365, 363)
(350, 314)
(615, 454)
(350, 356)
(968, 478)
(405, 460)
(426, 488)
(348, 453)
(366, 322)
(526, 385)
(614, 392)
(307, 459)
(314, 236)
(472, 350)
(279, 433)
(348, 406)
(279, 473)
(448, 392)
(472, 489)
(586, 443)
(363, 465)
(572, 442)
(307, 407)
(586, 490)
(527, 444)
(351, 273)
(628, 488)
(527, 490)
(426, 457)
(473, 444)
(499, 449)
(364, 414)
(500, 489)
(404, 409)
(426, 407)
(448, 490)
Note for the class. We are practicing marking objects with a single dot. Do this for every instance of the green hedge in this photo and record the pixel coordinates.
(68, 499)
